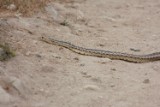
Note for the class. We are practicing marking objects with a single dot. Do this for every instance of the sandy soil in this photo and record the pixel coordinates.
(44, 75)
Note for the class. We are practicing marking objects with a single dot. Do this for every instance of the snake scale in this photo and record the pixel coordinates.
(105, 54)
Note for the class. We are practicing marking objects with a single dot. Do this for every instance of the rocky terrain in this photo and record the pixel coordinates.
(44, 75)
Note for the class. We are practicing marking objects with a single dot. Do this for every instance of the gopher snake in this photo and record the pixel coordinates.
(103, 53)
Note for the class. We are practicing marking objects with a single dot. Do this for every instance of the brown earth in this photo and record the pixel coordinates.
(44, 75)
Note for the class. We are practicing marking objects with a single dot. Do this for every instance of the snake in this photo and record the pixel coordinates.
(103, 53)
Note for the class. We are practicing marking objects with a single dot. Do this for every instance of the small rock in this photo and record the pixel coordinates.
(57, 29)
(82, 64)
(80, 15)
(65, 23)
(38, 55)
(84, 72)
(146, 81)
(101, 45)
(112, 86)
(113, 69)
(28, 53)
(91, 87)
(104, 60)
(135, 50)
(87, 76)
(52, 12)
(19, 86)
(96, 79)
(5, 98)
(56, 56)
(11, 7)
(76, 58)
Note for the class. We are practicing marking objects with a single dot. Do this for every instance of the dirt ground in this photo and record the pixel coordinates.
(44, 75)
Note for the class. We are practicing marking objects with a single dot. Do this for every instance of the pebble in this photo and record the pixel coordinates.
(80, 15)
(113, 69)
(82, 64)
(28, 53)
(17, 84)
(84, 72)
(76, 58)
(38, 55)
(11, 7)
(135, 50)
(104, 60)
(56, 56)
(146, 81)
(91, 87)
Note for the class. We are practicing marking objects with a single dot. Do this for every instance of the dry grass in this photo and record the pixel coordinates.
(27, 7)
(24, 6)
(6, 53)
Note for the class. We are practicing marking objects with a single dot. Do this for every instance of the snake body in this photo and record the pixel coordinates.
(103, 53)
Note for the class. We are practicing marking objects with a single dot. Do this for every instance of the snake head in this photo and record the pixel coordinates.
(49, 40)
(46, 39)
